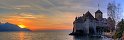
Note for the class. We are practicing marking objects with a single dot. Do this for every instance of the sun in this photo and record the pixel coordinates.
(22, 26)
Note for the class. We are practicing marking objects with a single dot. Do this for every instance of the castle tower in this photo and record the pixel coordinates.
(98, 15)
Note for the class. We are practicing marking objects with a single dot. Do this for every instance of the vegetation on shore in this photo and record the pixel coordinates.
(120, 29)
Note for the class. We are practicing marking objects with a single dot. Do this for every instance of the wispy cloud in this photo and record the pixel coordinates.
(46, 13)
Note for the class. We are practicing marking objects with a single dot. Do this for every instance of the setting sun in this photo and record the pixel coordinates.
(22, 26)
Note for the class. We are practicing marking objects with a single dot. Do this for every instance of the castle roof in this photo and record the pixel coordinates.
(98, 11)
(88, 15)
(109, 18)
(78, 20)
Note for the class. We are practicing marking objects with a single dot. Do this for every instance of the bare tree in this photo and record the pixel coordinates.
(114, 11)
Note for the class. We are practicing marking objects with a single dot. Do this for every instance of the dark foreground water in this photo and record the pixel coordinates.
(44, 35)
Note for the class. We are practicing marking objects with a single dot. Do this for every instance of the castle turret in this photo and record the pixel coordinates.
(98, 15)
(111, 23)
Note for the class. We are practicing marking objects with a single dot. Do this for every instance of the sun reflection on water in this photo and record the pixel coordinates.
(21, 35)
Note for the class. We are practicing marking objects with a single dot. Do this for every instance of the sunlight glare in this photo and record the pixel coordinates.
(22, 26)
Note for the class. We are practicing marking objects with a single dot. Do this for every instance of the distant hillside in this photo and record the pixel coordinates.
(11, 27)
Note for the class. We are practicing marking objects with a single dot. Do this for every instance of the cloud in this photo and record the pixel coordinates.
(46, 13)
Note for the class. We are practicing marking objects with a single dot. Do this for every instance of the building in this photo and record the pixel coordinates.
(87, 24)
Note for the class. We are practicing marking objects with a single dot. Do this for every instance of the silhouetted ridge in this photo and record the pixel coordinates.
(11, 27)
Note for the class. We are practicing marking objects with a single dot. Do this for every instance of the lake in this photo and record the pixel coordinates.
(44, 35)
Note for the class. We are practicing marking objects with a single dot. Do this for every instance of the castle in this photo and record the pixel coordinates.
(87, 24)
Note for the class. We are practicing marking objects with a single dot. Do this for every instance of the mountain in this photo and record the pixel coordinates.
(11, 27)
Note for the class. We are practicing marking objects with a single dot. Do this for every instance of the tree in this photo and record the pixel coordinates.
(114, 11)
(119, 31)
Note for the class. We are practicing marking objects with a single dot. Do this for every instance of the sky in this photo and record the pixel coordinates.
(49, 14)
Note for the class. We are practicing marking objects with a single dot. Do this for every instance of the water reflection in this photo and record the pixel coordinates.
(24, 36)
(90, 38)
(21, 35)
(44, 36)
(80, 37)
(35, 36)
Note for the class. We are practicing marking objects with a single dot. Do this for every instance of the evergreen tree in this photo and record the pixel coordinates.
(120, 29)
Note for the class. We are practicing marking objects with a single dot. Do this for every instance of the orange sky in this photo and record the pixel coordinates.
(42, 22)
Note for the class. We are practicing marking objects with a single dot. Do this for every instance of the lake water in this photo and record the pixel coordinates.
(44, 35)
